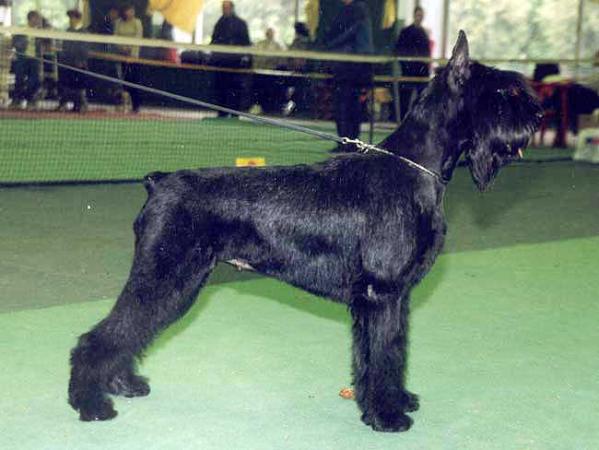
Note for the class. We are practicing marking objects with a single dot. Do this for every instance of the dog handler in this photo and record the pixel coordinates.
(350, 32)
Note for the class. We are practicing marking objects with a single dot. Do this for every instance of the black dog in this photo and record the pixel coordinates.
(360, 229)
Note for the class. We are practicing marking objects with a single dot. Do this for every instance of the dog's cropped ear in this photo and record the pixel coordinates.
(459, 64)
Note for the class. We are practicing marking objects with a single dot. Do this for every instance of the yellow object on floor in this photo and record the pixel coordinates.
(250, 162)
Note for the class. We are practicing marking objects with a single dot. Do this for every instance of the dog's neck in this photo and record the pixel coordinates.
(426, 144)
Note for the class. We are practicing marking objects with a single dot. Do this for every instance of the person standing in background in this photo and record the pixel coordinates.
(5, 57)
(350, 32)
(130, 26)
(109, 21)
(269, 44)
(413, 40)
(269, 91)
(49, 68)
(300, 89)
(230, 30)
(71, 84)
(28, 71)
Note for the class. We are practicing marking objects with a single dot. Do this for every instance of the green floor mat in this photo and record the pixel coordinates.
(503, 354)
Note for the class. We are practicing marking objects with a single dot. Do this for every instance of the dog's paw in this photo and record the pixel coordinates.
(410, 401)
(95, 410)
(128, 385)
(395, 423)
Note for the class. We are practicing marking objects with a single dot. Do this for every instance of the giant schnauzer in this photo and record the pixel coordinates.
(360, 229)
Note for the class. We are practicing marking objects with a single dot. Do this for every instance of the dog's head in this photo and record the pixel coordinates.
(497, 114)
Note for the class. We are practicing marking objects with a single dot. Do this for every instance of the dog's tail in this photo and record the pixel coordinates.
(152, 179)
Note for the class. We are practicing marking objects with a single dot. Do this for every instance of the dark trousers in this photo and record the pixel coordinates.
(27, 78)
(71, 86)
(348, 109)
(303, 95)
(132, 74)
(229, 91)
(269, 92)
(104, 90)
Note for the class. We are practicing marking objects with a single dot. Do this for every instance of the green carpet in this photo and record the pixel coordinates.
(504, 355)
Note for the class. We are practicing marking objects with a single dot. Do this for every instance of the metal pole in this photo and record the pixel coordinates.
(396, 107)
(444, 28)
(371, 107)
(395, 66)
(578, 34)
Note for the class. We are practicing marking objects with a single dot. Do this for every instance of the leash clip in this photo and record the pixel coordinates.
(361, 145)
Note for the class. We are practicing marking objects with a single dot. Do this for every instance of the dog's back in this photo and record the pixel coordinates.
(309, 225)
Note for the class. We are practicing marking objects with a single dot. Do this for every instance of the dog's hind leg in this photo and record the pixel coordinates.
(379, 358)
(169, 268)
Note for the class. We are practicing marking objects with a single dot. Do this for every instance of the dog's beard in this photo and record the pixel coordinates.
(483, 165)
(487, 156)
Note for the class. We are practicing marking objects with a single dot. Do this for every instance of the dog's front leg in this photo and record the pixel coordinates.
(379, 358)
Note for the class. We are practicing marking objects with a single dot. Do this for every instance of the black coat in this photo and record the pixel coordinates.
(74, 53)
(20, 43)
(230, 31)
(351, 32)
(413, 41)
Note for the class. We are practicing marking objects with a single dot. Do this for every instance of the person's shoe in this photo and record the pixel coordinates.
(17, 104)
(32, 105)
(288, 108)
(125, 102)
(81, 109)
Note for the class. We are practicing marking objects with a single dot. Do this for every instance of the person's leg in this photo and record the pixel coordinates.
(133, 75)
(19, 67)
(66, 84)
(346, 104)
(258, 91)
(33, 82)
(79, 85)
(221, 88)
(341, 99)
(355, 111)
(62, 101)
(405, 94)
(236, 91)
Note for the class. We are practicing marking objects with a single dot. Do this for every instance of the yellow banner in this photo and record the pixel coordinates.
(389, 14)
(312, 9)
(180, 13)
